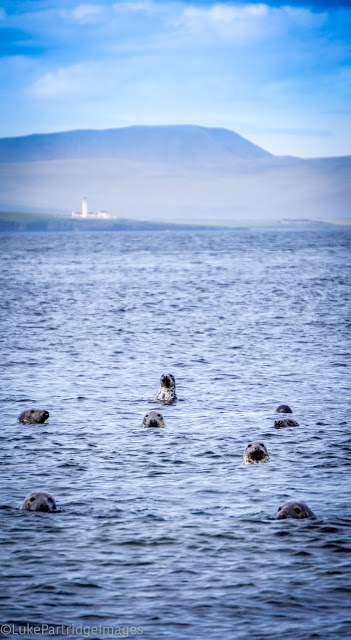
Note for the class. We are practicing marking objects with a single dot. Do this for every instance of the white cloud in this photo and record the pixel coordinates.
(233, 22)
(223, 13)
(83, 13)
(247, 22)
(142, 6)
(67, 82)
(304, 17)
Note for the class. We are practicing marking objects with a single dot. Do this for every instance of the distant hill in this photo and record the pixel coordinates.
(180, 174)
(19, 221)
(178, 143)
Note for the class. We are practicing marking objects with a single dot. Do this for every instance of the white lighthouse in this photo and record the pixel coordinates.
(84, 208)
(84, 213)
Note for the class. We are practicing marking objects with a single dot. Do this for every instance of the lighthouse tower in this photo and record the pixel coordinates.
(84, 208)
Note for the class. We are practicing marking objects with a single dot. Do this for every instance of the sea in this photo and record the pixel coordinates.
(165, 533)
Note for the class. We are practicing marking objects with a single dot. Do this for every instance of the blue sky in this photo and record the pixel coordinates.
(277, 73)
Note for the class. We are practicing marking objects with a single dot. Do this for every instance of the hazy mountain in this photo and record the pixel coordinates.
(178, 143)
(179, 174)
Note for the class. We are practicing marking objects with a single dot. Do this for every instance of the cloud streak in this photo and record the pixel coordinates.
(68, 82)
(83, 13)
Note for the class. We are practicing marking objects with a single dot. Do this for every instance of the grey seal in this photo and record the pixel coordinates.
(31, 416)
(255, 452)
(167, 391)
(153, 419)
(287, 422)
(283, 408)
(294, 510)
(39, 502)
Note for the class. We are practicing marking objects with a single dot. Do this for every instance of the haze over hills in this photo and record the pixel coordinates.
(177, 143)
(169, 173)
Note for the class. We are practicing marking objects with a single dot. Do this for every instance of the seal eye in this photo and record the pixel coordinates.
(297, 510)
(50, 500)
(261, 444)
(159, 415)
(279, 508)
(32, 499)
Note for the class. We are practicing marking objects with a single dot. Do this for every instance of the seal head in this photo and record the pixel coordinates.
(31, 416)
(39, 502)
(297, 510)
(255, 452)
(167, 391)
(287, 422)
(283, 408)
(153, 419)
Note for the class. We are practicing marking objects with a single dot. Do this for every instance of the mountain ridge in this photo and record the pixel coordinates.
(162, 143)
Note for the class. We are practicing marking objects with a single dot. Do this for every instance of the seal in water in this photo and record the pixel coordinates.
(255, 452)
(294, 510)
(287, 422)
(283, 408)
(167, 390)
(39, 502)
(153, 419)
(31, 416)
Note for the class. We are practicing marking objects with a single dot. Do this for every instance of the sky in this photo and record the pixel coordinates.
(277, 73)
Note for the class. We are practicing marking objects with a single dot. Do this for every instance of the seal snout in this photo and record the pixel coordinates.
(42, 507)
(257, 454)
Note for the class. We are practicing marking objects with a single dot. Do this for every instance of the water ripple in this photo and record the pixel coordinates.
(168, 530)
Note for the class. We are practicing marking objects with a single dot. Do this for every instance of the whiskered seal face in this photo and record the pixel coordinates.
(283, 408)
(39, 502)
(255, 452)
(287, 422)
(31, 416)
(153, 419)
(294, 510)
(167, 391)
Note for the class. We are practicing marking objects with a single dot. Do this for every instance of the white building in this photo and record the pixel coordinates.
(85, 213)
(84, 208)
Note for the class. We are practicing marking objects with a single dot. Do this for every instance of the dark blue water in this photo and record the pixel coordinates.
(166, 530)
